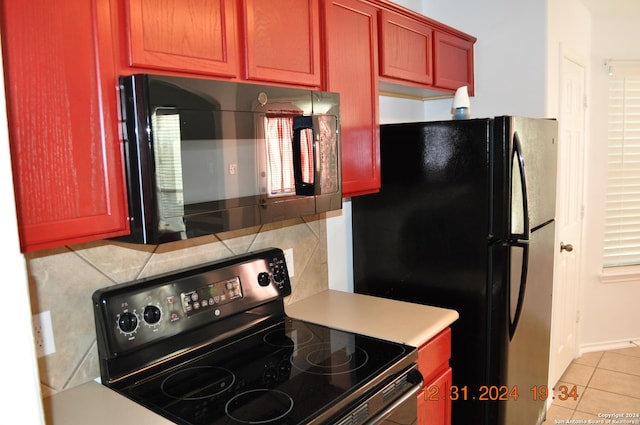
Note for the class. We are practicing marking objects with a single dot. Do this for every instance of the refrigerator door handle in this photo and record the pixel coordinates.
(516, 310)
(519, 204)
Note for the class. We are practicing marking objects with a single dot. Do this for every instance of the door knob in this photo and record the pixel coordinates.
(566, 247)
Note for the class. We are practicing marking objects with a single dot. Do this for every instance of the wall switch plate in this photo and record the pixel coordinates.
(288, 257)
(43, 334)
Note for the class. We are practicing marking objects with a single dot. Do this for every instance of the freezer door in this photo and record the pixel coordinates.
(528, 348)
(533, 155)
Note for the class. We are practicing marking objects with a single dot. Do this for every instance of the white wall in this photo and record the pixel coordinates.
(510, 54)
(20, 385)
(609, 313)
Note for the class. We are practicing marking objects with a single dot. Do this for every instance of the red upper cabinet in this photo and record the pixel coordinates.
(421, 57)
(282, 41)
(186, 36)
(352, 70)
(61, 105)
(376, 42)
(405, 48)
(453, 58)
(62, 100)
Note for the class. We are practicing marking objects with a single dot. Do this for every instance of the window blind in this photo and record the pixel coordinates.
(168, 162)
(622, 213)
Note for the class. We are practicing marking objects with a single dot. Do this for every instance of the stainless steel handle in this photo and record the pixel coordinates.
(566, 247)
(522, 285)
(520, 199)
(415, 378)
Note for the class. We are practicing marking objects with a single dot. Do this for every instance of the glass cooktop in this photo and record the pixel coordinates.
(288, 373)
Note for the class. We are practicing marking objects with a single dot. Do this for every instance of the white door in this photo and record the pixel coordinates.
(569, 214)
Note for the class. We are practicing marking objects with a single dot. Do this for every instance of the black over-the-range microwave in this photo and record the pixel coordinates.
(205, 156)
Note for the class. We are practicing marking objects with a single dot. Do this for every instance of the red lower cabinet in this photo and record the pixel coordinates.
(434, 402)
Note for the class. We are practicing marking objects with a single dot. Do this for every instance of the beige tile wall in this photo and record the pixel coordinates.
(63, 281)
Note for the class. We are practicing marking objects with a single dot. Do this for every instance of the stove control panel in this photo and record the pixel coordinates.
(211, 296)
(132, 315)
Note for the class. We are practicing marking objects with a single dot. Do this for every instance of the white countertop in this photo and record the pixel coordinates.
(398, 321)
(93, 403)
(412, 324)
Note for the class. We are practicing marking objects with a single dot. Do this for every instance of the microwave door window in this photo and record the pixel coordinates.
(168, 162)
(279, 143)
(219, 158)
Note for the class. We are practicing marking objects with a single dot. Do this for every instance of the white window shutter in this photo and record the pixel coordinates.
(622, 214)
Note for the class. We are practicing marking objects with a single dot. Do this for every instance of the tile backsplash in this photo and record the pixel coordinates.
(63, 280)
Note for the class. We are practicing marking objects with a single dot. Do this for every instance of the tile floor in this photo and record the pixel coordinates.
(607, 383)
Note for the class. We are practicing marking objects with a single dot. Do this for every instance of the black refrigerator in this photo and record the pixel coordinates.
(465, 219)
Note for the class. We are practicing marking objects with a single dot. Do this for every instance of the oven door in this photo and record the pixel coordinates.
(395, 403)
(402, 412)
(404, 409)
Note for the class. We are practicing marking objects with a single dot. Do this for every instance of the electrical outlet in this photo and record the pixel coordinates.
(43, 334)
(288, 257)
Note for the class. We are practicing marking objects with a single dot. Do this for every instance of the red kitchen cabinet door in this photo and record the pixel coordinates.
(352, 61)
(453, 59)
(405, 48)
(282, 41)
(185, 36)
(433, 356)
(434, 405)
(60, 85)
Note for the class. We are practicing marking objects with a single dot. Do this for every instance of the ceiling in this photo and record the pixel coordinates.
(613, 8)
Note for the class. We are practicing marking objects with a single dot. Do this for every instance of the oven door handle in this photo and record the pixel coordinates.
(411, 392)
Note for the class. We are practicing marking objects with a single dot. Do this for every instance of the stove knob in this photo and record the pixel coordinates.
(278, 276)
(128, 322)
(264, 279)
(151, 314)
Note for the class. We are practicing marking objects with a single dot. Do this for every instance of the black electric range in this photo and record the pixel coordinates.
(212, 345)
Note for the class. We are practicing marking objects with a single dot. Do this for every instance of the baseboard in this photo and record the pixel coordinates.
(609, 345)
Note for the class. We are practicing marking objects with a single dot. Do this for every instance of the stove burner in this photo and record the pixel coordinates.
(289, 338)
(260, 406)
(323, 359)
(197, 383)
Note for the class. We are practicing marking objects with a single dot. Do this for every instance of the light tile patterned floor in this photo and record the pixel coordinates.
(607, 383)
